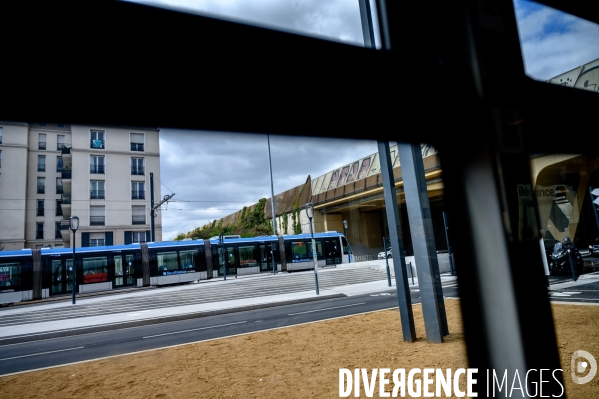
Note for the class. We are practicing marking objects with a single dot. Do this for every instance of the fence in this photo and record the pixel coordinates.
(364, 258)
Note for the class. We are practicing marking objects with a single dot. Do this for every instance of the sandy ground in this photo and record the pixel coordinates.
(295, 362)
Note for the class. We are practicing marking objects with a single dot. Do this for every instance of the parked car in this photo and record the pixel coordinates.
(388, 255)
(594, 247)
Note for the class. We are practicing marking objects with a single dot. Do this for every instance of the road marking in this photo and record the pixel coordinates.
(320, 310)
(563, 293)
(193, 329)
(42, 353)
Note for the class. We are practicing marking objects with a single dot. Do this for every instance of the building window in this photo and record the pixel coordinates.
(40, 208)
(39, 233)
(57, 230)
(42, 142)
(97, 164)
(1, 135)
(60, 142)
(41, 163)
(58, 164)
(0, 158)
(60, 125)
(139, 215)
(59, 185)
(97, 190)
(137, 166)
(97, 139)
(137, 142)
(139, 237)
(58, 208)
(137, 190)
(97, 239)
(41, 185)
(97, 216)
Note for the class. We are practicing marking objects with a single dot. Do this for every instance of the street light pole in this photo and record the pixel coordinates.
(272, 204)
(74, 225)
(310, 213)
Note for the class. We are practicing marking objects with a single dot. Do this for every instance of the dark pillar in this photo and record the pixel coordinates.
(423, 242)
(399, 261)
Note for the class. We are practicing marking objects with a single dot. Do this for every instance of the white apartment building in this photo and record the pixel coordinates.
(50, 172)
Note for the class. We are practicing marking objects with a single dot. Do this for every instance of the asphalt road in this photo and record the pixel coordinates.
(61, 351)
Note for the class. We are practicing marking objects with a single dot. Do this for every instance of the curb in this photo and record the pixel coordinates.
(158, 320)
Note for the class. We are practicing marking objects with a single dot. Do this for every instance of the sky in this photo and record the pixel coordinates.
(216, 174)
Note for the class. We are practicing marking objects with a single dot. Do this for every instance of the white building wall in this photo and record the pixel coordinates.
(13, 185)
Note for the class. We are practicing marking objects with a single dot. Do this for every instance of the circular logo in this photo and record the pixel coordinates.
(578, 366)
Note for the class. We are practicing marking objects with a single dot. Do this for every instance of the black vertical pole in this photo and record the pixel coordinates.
(387, 261)
(594, 206)
(448, 246)
(152, 205)
(74, 275)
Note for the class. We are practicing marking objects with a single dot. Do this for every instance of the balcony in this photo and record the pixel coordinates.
(96, 144)
(96, 169)
(97, 220)
(137, 170)
(65, 173)
(138, 194)
(65, 230)
(60, 147)
(65, 150)
(96, 194)
(137, 146)
(65, 205)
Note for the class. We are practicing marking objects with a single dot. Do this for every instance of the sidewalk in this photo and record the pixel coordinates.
(78, 325)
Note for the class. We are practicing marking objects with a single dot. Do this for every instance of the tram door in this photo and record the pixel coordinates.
(266, 253)
(62, 276)
(124, 271)
(228, 254)
(332, 251)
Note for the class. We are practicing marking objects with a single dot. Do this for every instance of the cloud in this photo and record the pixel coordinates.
(215, 174)
(337, 20)
(554, 42)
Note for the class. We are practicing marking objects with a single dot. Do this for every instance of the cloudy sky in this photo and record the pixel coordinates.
(216, 174)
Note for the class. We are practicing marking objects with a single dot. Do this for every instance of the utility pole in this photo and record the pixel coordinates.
(154, 207)
(272, 203)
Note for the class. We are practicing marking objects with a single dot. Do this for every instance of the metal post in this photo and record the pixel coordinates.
(387, 261)
(367, 28)
(399, 263)
(224, 254)
(315, 258)
(74, 277)
(448, 246)
(347, 238)
(152, 206)
(594, 206)
(272, 204)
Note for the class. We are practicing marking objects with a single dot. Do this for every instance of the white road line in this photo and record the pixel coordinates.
(580, 299)
(193, 329)
(42, 353)
(320, 310)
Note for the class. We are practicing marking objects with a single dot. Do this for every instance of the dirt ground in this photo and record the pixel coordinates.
(294, 362)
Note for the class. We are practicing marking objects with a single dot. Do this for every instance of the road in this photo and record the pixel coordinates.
(61, 351)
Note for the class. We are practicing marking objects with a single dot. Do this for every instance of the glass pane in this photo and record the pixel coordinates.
(557, 47)
(167, 261)
(10, 275)
(188, 260)
(246, 257)
(95, 270)
(337, 20)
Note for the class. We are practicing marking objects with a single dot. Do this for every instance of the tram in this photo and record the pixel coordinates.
(41, 273)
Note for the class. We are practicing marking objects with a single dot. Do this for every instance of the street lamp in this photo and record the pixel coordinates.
(347, 238)
(310, 213)
(74, 225)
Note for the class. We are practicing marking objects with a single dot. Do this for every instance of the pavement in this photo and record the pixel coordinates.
(92, 313)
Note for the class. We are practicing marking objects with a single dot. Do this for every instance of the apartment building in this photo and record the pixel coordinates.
(50, 172)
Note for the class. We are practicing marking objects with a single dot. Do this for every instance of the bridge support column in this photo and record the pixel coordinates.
(423, 241)
(399, 261)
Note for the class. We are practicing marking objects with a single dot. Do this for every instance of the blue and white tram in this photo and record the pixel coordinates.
(40, 273)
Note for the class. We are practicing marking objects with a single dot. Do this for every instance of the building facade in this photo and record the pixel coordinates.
(50, 172)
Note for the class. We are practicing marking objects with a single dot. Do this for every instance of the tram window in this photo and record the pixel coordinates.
(346, 247)
(167, 261)
(10, 275)
(188, 259)
(247, 257)
(95, 270)
(299, 251)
